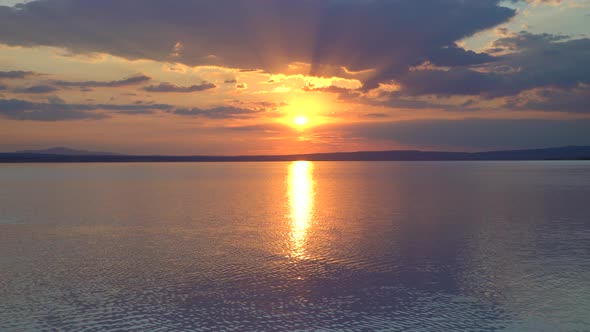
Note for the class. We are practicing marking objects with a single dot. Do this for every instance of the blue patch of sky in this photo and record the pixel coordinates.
(568, 18)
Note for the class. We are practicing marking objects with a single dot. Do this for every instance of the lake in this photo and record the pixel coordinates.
(301, 246)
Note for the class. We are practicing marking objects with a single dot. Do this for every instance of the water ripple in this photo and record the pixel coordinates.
(191, 248)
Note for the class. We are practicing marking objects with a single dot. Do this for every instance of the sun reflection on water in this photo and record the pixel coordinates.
(301, 200)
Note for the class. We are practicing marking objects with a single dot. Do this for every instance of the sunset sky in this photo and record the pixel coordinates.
(286, 76)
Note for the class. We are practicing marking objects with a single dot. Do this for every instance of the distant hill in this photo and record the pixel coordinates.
(69, 155)
(63, 151)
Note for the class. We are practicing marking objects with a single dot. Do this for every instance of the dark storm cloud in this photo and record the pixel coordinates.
(456, 56)
(388, 35)
(37, 89)
(107, 84)
(543, 60)
(221, 112)
(527, 62)
(456, 81)
(57, 110)
(475, 133)
(533, 61)
(16, 74)
(169, 87)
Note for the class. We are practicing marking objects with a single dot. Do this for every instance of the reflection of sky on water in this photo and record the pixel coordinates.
(370, 246)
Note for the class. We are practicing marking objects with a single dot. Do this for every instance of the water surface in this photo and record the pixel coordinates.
(323, 246)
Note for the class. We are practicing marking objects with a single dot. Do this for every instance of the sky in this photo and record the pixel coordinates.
(293, 76)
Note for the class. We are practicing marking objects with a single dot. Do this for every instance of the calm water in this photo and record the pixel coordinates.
(343, 246)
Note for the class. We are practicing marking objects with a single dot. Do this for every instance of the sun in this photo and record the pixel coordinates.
(300, 120)
(304, 113)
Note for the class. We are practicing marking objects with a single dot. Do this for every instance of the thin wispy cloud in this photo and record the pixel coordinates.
(15, 74)
(134, 80)
(169, 87)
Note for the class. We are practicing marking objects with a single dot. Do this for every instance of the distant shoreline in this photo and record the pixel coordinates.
(559, 153)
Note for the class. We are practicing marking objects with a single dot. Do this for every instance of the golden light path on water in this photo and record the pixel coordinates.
(301, 200)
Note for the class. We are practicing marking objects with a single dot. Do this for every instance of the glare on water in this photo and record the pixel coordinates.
(301, 200)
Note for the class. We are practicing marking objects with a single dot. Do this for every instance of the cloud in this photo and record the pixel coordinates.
(453, 55)
(242, 86)
(475, 133)
(56, 110)
(540, 60)
(456, 81)
(543, 2)
(126, 107)
(23, 110)
(524, 62)
(444, 134)
(16, 74)
(331, 89)
(527, 61)
(264, 127)
(134, 80)
(390, 41)
(38, 89)
(387, 37)
(221, 112)
(394, 99)
(553, 100)
(169, 87)
(376, 115)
